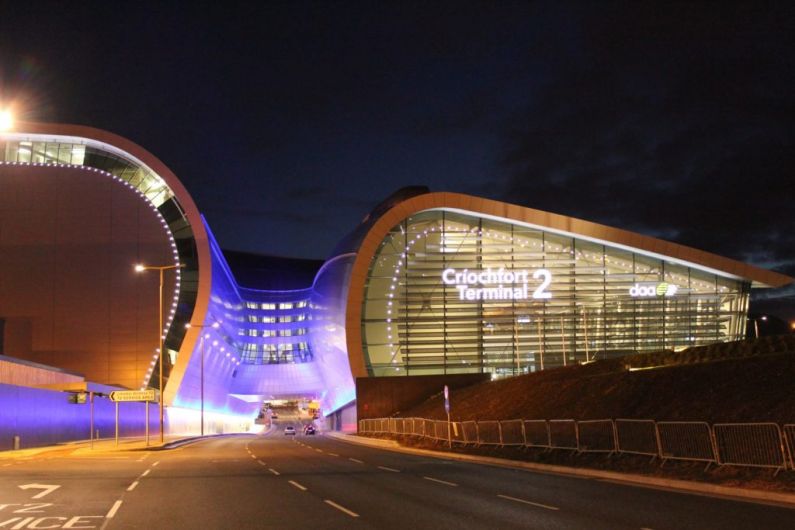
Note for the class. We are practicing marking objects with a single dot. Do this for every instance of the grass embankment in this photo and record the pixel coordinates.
(748, 381)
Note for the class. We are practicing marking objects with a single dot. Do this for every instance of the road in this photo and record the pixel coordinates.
(278, 481)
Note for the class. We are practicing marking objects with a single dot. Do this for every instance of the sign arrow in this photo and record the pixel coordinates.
(46, 487)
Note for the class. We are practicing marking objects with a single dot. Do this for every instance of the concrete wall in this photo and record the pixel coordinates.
(378, 397)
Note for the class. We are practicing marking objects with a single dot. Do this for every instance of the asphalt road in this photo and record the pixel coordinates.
(278, 481)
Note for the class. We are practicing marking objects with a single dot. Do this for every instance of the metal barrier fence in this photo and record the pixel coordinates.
(765, 445)
(750, 444)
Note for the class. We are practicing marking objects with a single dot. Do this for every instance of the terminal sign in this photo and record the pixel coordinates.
(133, 395)
(498, 284)
(648, 290)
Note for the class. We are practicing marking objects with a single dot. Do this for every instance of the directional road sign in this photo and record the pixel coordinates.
(133, 395)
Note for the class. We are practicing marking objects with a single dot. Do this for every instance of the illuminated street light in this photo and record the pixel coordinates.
(756, 320)
(6, 120)
(214, 325)
(141, 268)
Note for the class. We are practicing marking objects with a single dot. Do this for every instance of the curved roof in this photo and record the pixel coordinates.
(557, 223)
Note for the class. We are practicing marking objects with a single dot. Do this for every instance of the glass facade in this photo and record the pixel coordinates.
(450, 292)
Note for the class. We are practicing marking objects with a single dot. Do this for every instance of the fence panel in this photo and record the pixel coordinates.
(563, 434)
(596, 436)
(512, 432)
(637, 437)
(440, 428)
(536, 433)
(789, 438)
(489, 433)
(428, 429)
(750, 444)
(457, 432)
(469, 430)
(686, 440)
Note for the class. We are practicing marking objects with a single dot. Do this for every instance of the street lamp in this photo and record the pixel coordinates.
(214, 325)
(141, 268)
(756, 320)
(6, 120)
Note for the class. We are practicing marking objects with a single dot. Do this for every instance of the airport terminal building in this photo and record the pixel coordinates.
(428, 283)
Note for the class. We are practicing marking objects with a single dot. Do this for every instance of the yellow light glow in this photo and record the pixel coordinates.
(139, 268)
(6, 120)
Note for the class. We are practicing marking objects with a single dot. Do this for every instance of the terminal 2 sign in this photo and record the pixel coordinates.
(498, 284)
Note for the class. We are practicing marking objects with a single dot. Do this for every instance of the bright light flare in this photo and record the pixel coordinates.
(6, 120)
(139, 268)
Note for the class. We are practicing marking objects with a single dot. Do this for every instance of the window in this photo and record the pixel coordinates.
(251, 305)
(268, 320)
(285, 318)
(286, 305)
(301, 304)
(285, 333)
(268, 306)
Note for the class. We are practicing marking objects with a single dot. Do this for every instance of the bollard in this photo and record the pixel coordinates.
(16, 442)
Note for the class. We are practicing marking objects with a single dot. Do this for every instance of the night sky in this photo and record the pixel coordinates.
(288, 121)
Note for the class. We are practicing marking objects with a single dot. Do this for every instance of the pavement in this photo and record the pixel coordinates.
(277, 481)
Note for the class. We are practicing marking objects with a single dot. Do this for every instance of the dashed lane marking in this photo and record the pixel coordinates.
(319, 450)
(536, 504)
(332, 454)
(393, 470)
(440, 481)
(113, 510)
(132, 486)
(146, 472)
(341, 508)
(273, 471)
(356, 460)
(260, 462)
(297, 485)
(155, 464)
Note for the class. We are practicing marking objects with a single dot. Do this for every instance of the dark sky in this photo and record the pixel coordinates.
(288, 121)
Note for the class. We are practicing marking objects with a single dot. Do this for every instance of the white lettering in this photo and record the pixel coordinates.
(510, 285)
(649, 290)
(35, 524)
(78, 520)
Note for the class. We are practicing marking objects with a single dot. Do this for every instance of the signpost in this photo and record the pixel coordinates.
(447, 410)
(133, 395)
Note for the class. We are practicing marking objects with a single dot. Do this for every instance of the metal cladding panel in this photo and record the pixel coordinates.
(68, 291)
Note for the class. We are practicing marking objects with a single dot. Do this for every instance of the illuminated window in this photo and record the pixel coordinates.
(286, 305)
(268, 306)
(251, 305)
(301, 304)
(268, 320)
(285, 318)
(285, 333)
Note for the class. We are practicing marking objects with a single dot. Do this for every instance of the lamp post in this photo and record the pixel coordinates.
(214, 325)
(756, 320)
(161, 269)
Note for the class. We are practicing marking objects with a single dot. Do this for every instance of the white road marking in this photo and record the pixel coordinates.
(333, 454)
(389, 469)
(341, 508)
(48, 488)
(254, 457)
(113, 509)
(132, 486)
(319, 450)
(440, 481)
(297, 485)
(155, 464)
(537, 504)
(355, 460)
(145, 472)
(273, 471)
(260, 462)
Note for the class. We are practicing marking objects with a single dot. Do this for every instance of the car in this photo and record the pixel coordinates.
(309, 429)
(289, 430)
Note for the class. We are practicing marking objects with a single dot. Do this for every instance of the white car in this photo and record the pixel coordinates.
(289, 430)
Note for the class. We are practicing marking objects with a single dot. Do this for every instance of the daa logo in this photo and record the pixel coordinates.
(641, 290)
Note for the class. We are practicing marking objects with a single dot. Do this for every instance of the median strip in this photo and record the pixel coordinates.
(341, 508)
(440, 481)
(537, 504)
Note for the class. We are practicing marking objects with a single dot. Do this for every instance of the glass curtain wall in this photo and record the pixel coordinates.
(455, 293)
